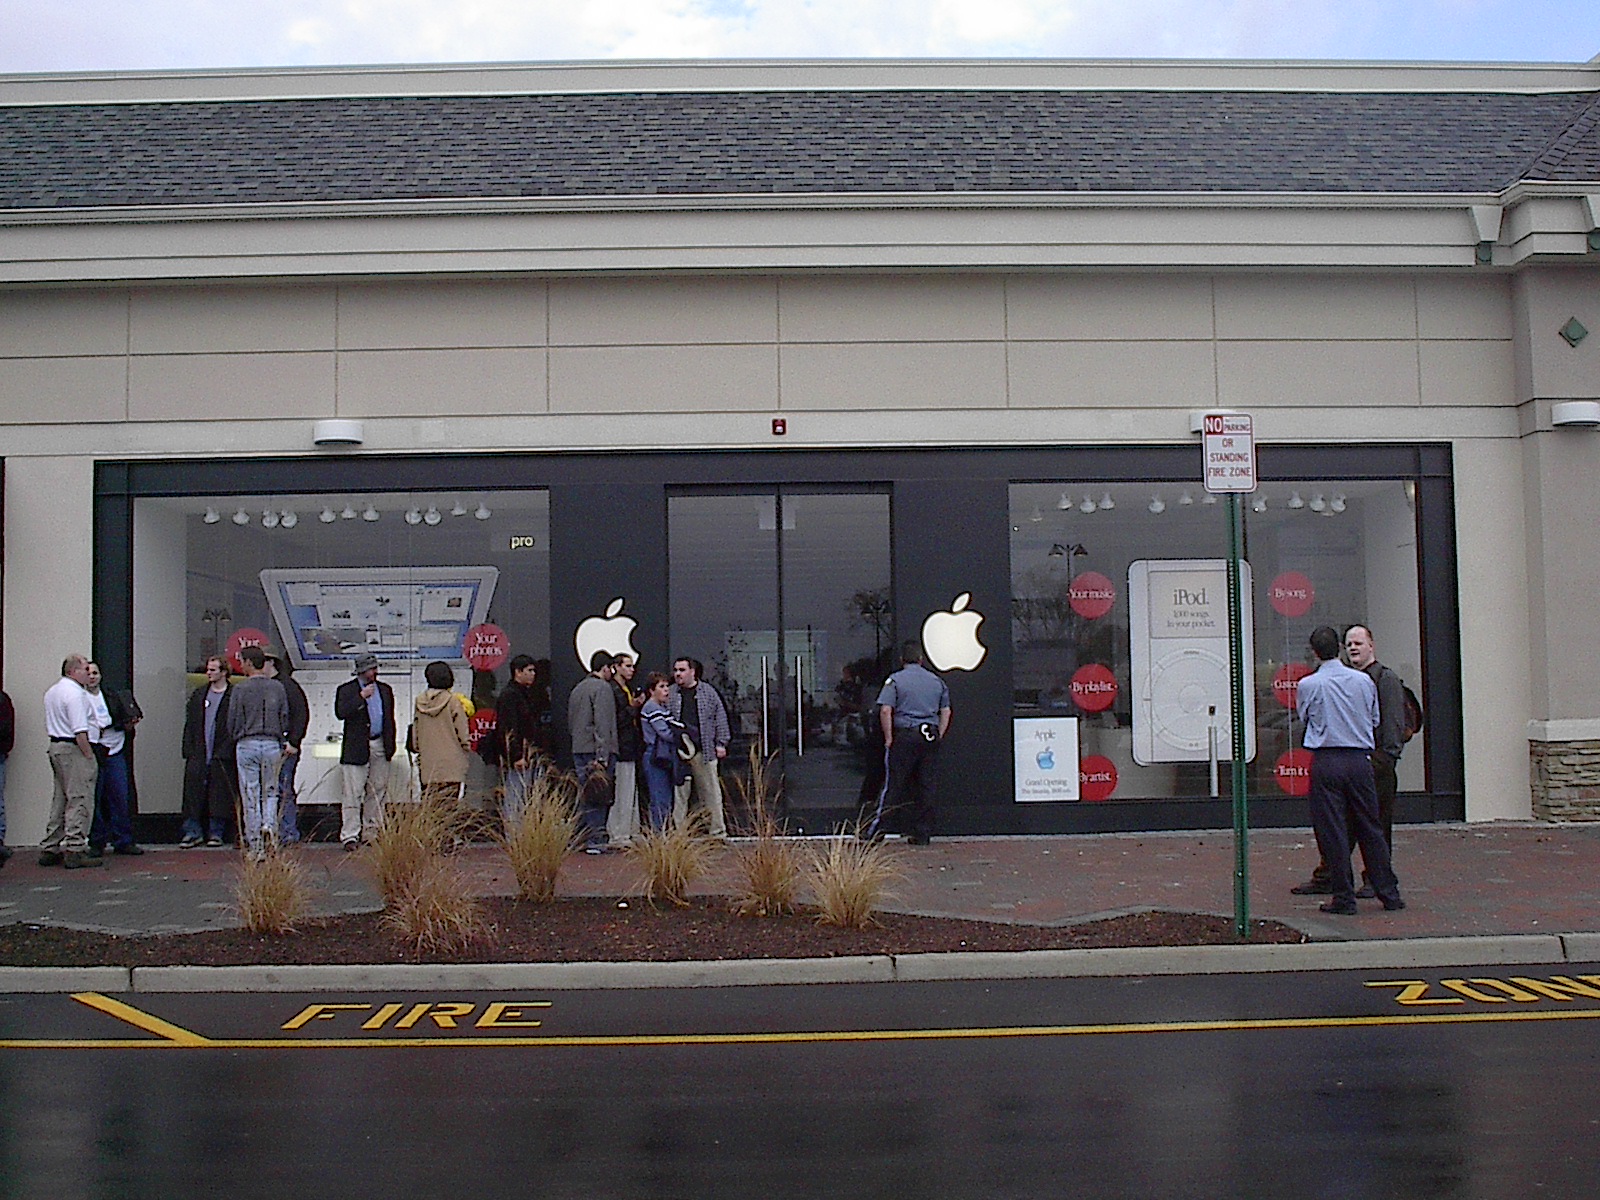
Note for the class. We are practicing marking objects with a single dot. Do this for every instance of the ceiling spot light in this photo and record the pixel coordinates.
(482, 512)
(460, 510)
(212, 516)
(1157, 505)
(1087, 506)
(1260, 505)
(1107, 503)
(241, 517)
(369, 514)
(432, 516)
(349, 514)
(1337, 503)
(288, 518)
(413, 515)
(1185, 500)
(1065, 503)
(1211, 498)
(327, 516)
(1318, 503)
(1296, 503)
(269, 519)
(1037, 515)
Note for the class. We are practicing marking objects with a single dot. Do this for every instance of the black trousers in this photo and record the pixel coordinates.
(1342, 794)
(209, 793)
(913, 776)
(1387, 785)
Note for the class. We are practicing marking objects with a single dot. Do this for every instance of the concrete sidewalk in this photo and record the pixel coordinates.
(1495, 880)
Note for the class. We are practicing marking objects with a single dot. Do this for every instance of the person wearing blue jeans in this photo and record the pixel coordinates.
(660, 748)
(280, 668)
(592, 721)
(258, 719)
(116, 714)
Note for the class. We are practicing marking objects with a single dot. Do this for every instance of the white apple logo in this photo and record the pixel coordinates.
(611, 633)
(951, 638)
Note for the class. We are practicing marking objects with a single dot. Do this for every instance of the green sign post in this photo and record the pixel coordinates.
(1230, 468)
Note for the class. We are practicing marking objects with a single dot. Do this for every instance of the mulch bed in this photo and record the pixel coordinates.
(606, 930)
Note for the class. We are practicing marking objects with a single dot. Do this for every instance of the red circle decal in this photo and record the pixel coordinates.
(486, 647)
(238, 641)
(1091, 595)
(1097, 777)
(480, 724)
(1292, 594)
(1094, 688)
(1293, 772)
(1286, 683)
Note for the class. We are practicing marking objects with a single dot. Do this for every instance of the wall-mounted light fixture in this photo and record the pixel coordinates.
(269, 519)
(369, 514)
(338, 433)
(327, 516)
(413, 515)
(1486, 220)
(241, 517)
(212, 516)
(1575, 414)
(482, 512)
(288, 518)
(431, 517)
(1573, 332)
(1591, 210)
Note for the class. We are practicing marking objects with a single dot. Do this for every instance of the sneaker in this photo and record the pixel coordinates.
(132, 848)
(1313, 887)
(75, 859)
(50, 858)
(190, 841)
(213, 841)
(594, 848)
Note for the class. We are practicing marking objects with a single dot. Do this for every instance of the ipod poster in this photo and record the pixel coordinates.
(1046, 758)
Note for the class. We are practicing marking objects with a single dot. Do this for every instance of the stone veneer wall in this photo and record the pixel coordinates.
(1566, 780)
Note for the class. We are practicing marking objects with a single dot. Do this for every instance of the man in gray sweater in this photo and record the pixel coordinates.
(592, 721)
(258, 719)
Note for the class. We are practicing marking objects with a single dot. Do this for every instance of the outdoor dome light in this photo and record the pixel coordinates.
(369, 514)
(1297, 503)
(1107, 503)
(1065, 503)
(1087, 506)
(327, 516)
(1185, 500)
(460, 510)
(212, 516)
(349, 514)
(1157, 505)
(482, 512)
(413, 515)
(432, 516)
(1337, 503)
(1260, 505)
(241, 517)
(1318, 503)
(269, 519)
(288, 518)
(1037, 515)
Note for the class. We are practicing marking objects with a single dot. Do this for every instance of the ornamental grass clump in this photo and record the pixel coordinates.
(671, 859)
(538, 837)
(851, 878)
(436, 911)
(272, 892)
(771, 865)
(411, 836)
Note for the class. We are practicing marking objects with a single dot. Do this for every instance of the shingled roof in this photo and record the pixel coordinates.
(772, 143)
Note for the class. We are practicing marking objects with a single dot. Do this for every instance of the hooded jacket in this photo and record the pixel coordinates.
(442, 737)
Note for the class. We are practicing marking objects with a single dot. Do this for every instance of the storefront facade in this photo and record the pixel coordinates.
(780, 433)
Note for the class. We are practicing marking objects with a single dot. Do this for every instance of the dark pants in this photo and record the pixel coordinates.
(1383, 778)
(1343, 794)
(112, 821)
(209, 790)
(595, 774)
(908, 790)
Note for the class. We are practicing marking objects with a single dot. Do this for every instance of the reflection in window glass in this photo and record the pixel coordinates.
(1320, 553)
(408, 577)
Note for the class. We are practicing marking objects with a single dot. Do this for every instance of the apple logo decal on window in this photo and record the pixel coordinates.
(612, 633)
(951, 638)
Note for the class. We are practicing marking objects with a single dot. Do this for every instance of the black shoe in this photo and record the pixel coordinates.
(132, 848)
(74, 859)
(97, 851)
(1313, 887)
(50, 858)
(191, 841)
(1394, 905)
(352, 846)
(1365, 892)
(917, 840)
(1341, 910)
(5, 854)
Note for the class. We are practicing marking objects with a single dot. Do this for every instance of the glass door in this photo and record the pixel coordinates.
(785, 596)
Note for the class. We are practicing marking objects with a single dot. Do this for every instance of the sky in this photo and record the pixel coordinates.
(102, 35)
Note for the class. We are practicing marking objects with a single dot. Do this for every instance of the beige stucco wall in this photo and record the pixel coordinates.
(48, 516)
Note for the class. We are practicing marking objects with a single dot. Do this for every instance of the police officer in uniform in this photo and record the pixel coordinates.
(914, 710)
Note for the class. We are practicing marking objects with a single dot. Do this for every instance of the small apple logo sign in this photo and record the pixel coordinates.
(612, 633)
(951, 638)
(1046, 760)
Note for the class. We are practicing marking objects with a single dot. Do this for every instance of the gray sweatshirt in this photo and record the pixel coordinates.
(592, 717)
(259, 707)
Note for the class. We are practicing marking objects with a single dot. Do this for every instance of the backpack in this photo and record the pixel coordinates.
(1411, 723)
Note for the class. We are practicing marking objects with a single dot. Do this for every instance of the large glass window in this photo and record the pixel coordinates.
(1116, 594)
(413, 577)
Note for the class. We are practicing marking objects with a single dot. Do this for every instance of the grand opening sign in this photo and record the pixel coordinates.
(1229, 442)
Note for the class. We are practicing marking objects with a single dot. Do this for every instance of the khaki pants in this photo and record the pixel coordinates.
(366, 787)
(622, 824)
(72, 802)
(703, 782)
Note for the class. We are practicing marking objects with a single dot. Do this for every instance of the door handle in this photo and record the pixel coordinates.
(799, 712)
(764, 750)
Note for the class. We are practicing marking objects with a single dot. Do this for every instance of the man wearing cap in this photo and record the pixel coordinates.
(366, 707)
(914, 713)
(69, 720)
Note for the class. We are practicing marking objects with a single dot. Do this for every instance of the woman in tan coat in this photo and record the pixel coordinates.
(442, 739)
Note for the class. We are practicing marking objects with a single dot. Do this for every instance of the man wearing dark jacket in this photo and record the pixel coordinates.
(208, 783)
(366, 707)
(518, 715)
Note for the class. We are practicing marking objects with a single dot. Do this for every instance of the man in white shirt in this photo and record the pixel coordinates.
(69, 720)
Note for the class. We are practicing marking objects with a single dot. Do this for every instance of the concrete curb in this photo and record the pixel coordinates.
(1386, 954)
